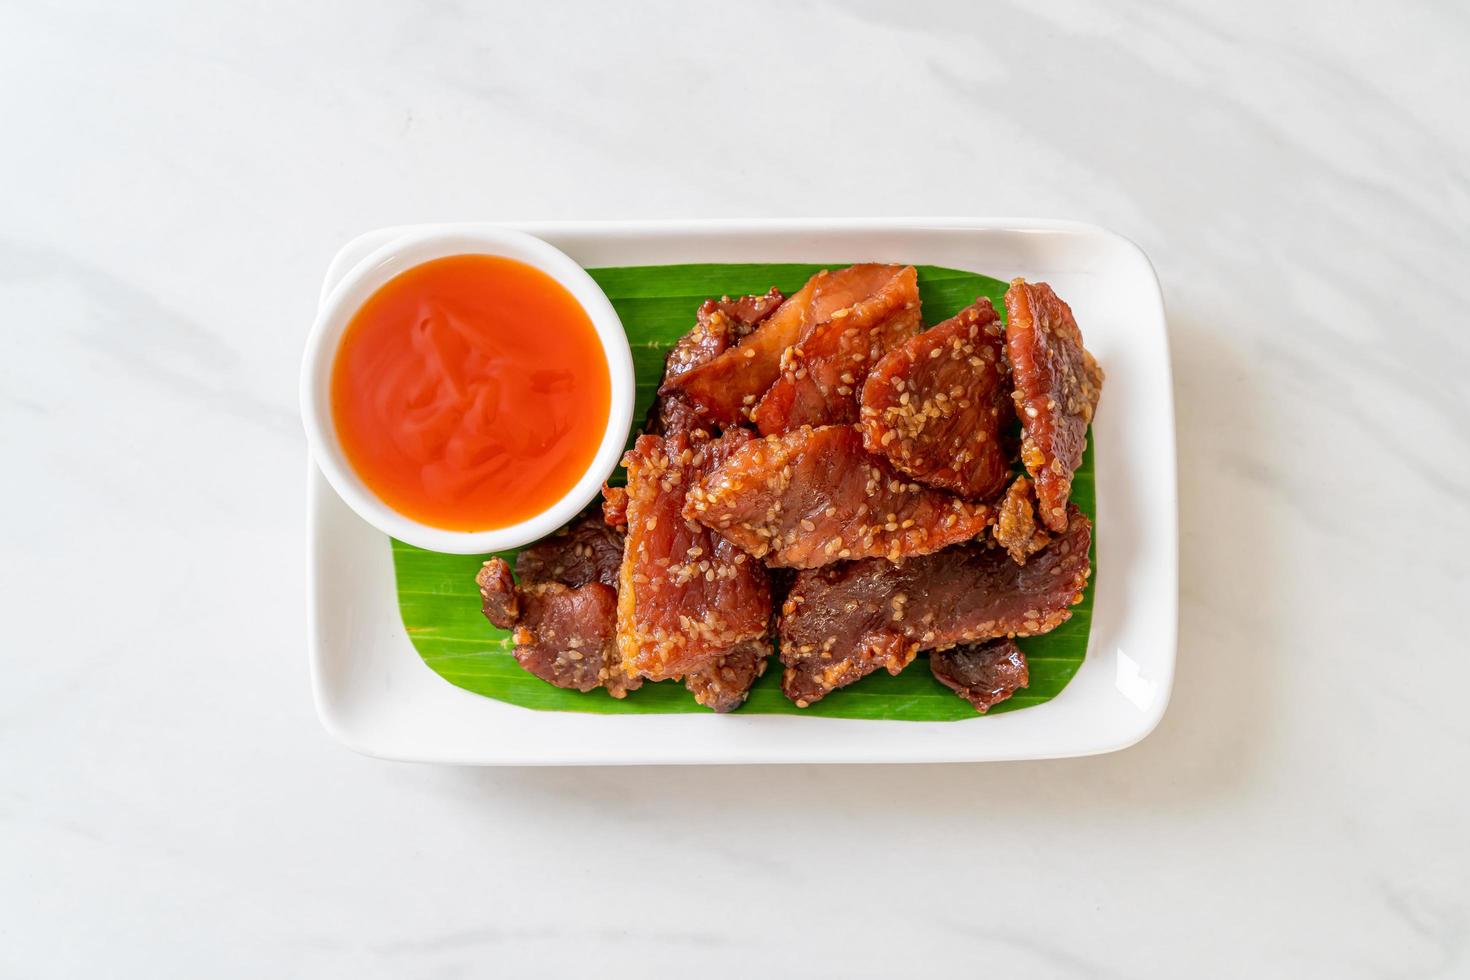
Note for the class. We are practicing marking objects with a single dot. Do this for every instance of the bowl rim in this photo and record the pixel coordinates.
(415, 247)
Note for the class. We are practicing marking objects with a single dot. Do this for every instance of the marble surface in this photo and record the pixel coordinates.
(175, 177)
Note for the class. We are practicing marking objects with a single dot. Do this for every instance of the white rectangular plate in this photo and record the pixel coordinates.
(375, 695)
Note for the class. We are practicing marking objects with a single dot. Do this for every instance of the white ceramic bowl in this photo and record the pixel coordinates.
(365, 278)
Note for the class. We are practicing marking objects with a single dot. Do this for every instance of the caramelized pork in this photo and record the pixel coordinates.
(563, 634)
(856, 316)
(724, 684)
(724, 388)
(984, 674)
(686, 595)
(1015, 527)
(586, 550)
(615, 506)
(718, 324)
(563, 613)
(815, 496)
(842, 622)
(938, 406)
(1057, 388)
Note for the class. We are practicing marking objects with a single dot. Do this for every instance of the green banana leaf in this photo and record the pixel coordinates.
(441, 605)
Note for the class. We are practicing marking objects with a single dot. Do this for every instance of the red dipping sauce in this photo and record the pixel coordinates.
(471, 392)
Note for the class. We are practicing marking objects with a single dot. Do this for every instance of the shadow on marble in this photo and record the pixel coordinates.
(1219, 724)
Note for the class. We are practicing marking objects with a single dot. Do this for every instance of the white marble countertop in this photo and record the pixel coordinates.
(173, 180)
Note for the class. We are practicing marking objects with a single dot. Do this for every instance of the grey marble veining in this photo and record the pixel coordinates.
(176, 176)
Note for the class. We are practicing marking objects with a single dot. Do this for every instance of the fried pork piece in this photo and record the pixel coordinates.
(498, 599)
(722, 685)
(587, 550)
(1057, 387)
(563, 614)
(724, 388)
(856, 316)
(685, 595)
(725, 683)
(815, 496)
(1015, 527)
(614, 506)
(843, 622)
(984, 674)
(938, 405)
(564, 634)
(718, 324)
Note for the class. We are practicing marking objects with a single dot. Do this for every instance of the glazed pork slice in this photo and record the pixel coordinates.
(1057, 387)
(718, 324)
(856, 316)
(586, 550)
(563, 614)
(939, 406)
(984, 674)
(724, 388)
(564, 634)
(564, 618)
(724, 684)
(815, 496)
(842, 622)
(615, 507)
(686, 595)
(1015, 527)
